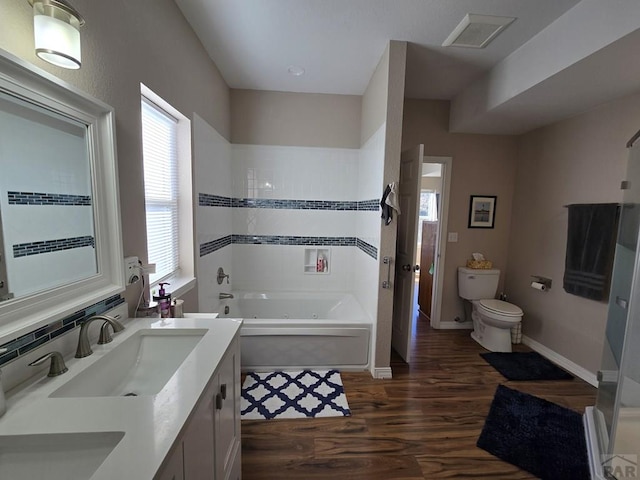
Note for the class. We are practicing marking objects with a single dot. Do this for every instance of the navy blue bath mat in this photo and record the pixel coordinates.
(538, 436)
(300, 394)
(525, 366)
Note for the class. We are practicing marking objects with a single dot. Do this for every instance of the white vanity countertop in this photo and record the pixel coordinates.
(150, 423)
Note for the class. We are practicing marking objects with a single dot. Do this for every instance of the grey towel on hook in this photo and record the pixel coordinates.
(591, 240)
(389, 203)
(387, 211)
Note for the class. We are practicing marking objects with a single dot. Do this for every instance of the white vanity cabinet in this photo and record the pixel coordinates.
(209, 447)
(173, 466)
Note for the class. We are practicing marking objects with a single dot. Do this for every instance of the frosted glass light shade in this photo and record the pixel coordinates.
(56, 34)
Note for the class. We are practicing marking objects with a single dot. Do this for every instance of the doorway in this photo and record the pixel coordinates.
(405, 311)
(432, 230)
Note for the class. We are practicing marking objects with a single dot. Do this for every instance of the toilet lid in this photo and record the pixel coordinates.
(503, 308)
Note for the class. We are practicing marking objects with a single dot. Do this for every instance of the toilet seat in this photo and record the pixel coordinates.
(505, 309)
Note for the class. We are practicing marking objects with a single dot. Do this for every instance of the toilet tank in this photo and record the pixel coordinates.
(477, 284)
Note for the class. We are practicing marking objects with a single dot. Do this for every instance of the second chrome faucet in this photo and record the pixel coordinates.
(84, 346)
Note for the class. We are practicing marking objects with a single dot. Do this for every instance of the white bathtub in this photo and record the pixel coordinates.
(301, 330)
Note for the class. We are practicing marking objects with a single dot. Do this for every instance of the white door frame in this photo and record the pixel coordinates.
(441, 247)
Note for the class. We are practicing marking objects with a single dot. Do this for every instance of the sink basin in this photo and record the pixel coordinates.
(61, 456)
(140, 365)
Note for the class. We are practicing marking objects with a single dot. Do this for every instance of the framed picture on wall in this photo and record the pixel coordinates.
(482, 211)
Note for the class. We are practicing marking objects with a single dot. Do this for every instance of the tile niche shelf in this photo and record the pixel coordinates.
(317, 261)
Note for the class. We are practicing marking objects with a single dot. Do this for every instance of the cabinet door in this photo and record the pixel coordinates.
(173, 469)
(198, 441)
(227, 422)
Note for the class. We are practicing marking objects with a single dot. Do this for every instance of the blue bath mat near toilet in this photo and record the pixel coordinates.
(525, 366)
(535, 435)
(299, 394)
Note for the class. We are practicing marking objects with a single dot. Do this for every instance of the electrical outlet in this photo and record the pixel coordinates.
(131, 270)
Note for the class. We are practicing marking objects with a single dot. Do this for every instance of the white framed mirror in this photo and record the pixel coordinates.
(60, 237)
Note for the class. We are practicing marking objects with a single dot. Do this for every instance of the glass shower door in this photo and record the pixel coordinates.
(618, 398)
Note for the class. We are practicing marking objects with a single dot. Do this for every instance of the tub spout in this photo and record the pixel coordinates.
(223, 295)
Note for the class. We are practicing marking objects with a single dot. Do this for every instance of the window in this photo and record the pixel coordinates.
(166, 148)
(159, 145)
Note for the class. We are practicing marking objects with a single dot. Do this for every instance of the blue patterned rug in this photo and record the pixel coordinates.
(300, 394)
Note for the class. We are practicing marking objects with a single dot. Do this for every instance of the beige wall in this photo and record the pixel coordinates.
(298, 119)
(579, 160)
(374, 99)
(482, 165)
(125, 43)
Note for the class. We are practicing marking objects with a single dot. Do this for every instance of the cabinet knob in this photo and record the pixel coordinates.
(223, 391)
(218, 401)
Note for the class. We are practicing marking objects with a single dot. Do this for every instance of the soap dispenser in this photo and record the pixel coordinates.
(164, 301)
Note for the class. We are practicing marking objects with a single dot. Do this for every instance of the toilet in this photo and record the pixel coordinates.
(492, 319)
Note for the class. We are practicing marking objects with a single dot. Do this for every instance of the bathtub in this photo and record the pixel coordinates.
(291, 331)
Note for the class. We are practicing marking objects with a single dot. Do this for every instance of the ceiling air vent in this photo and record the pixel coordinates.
(476, 31)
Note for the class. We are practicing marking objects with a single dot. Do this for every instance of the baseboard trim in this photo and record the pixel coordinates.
(564, 362)
(382, 373)
(455, 326)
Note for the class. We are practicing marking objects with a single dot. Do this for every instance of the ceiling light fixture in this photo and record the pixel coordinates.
(56, 30)
(295, 70)
(476, 31)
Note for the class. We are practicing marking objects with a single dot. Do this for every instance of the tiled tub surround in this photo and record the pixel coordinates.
(26, 343)
(260, 206)
(151, 423)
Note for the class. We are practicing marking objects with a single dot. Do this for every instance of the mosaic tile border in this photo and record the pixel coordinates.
(212, 246)
(371, 205)
(294, 240)
(35, 198)
(46, 246)
(209, 200)
(42, 335)
(295, 204)
(367, 248)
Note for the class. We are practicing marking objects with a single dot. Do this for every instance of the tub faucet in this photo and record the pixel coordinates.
(84, 347)
(223, 295)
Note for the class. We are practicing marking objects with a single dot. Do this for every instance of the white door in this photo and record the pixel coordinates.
(408, 199)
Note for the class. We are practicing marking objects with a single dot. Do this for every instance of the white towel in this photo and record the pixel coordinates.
(392, 198)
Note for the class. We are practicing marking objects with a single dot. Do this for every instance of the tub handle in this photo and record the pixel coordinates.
(387, 282)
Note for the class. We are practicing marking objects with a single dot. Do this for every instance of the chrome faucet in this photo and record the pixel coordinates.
(57, 366)
(84, 347)
(223, 295)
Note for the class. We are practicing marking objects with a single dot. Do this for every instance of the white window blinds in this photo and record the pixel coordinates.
(159, 144)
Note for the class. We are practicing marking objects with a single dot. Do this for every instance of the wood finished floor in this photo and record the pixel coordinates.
(422, 424)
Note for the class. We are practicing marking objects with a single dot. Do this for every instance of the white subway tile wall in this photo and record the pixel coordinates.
(259, 206)
(212, 178)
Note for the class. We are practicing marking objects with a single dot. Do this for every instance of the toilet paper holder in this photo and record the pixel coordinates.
(544, 281)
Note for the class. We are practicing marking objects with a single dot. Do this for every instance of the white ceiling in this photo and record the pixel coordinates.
(339, 43)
